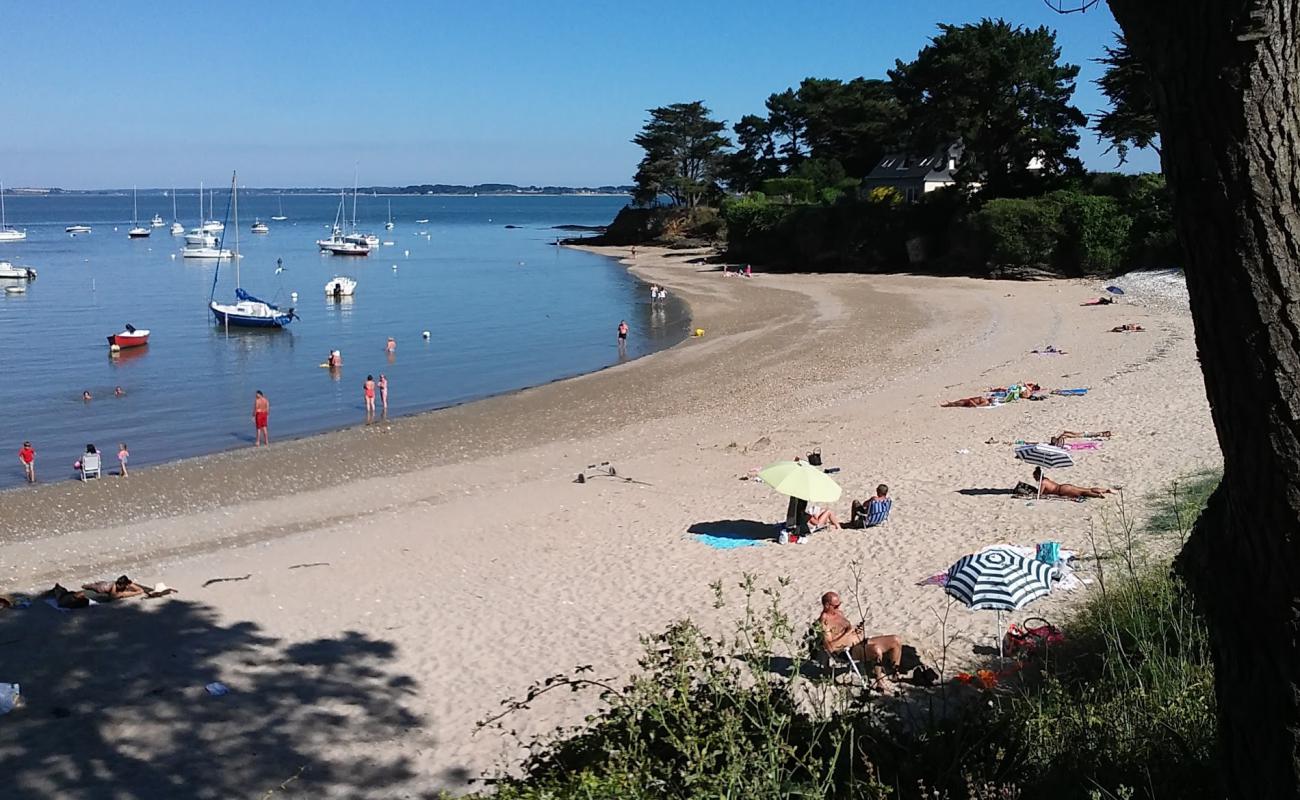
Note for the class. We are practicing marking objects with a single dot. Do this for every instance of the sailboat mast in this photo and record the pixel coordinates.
(174, 214)
(134, 206)
(354, 200)
(234, 200)
(2, 205)
(200, 204)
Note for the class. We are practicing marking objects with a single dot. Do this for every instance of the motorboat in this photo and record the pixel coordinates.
(10, 272)
(343, 247)
(8, 234)
(422, 221)
(204, 251)
(368, 239)
(17, 289)
(260, 227)
(130, 337)
(177, 229)
(280, 217)
(137, 230)
(341, 286)
(198, 238)
(77, 229)
(247, 311)
(157, 221)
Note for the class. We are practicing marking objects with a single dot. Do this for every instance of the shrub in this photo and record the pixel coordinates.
(1095, 231)
(1016, 232)
(793, 190)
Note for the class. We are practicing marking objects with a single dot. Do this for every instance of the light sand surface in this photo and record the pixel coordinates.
(461, 562)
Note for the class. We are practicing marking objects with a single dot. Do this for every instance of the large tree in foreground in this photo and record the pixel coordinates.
(1225, 76)
(683, 154)
(1001, 90)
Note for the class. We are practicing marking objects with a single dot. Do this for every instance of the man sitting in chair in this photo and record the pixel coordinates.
(840, 635)
(873, 512)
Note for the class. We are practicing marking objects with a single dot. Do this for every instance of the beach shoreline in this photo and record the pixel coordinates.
(455, 558)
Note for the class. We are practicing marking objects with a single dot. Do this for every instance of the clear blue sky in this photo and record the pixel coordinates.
(295, 93)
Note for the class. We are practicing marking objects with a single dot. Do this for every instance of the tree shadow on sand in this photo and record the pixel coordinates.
(115, 706)
(745, 529)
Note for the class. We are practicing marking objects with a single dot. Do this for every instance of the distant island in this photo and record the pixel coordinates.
(418, 189)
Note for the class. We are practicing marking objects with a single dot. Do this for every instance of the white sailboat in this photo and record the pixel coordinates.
(247, 311)
(199, 243)
(137, 230)
(8, 234)
(388, 226)
(177, 228)
(212, 225)
(280, 217)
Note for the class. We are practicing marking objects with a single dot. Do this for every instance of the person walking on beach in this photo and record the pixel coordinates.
(383, 393)
(261, 415)
(369, 387)
(622, 335)
(28, 456)
(122, 455)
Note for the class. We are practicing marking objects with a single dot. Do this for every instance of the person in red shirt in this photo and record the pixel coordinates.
(28, 456)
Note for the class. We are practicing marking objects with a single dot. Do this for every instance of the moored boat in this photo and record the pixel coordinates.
(137, 230)
(77, 229)
(341, 286)
(8, 234)
(10, 272)
(247, 311)
(130, 337)
(157, 221)
(260, 227)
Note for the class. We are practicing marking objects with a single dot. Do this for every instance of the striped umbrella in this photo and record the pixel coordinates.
(998, 579)
(1044, 455)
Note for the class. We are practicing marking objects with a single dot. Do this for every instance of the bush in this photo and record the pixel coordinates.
(1095, 232)
(1019, 233)
(792, 190)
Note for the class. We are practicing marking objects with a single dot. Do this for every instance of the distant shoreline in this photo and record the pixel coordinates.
(324, 190)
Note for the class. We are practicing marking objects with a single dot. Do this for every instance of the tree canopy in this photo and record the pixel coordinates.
(1131, 120)
(684, 149)
(1002, 92)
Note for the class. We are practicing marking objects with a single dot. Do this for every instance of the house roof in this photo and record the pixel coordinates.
(903, 166)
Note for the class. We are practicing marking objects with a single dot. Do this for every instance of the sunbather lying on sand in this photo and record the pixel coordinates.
(1128, 327)
(1061, 438)
(66, 598)
(1099, 301)
(1051, 487)
(124, 587)
(838, 635)
(968, 402)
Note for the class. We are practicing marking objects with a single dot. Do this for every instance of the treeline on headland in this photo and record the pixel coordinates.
(961, 160)
(422, 188)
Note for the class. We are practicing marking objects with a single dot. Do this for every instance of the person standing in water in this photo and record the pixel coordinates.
(622, 335)
(369, 388)
(383, 393)
(122, 455)
(28, 456)
(261, 416)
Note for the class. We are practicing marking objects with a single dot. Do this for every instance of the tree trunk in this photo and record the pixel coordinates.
(1227, 89)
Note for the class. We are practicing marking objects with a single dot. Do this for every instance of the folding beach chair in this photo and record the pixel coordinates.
(89, 466)
(830, 661)
(877, 512)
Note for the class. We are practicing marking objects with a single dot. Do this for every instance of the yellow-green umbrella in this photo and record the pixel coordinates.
(801, 480)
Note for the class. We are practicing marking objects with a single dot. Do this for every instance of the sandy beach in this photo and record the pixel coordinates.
(405, 577)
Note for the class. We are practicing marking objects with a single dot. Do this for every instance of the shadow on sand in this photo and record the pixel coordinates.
(739, 529)
(115, 706)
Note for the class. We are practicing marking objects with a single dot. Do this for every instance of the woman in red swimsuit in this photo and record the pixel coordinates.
(370, 396)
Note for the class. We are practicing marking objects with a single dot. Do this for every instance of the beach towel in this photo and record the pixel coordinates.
(726, 542)
(1070, 392)
(1083, 445)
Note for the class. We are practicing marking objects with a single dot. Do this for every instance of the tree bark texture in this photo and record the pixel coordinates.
(1226, 80)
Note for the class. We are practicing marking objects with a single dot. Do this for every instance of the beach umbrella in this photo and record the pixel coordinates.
(1044, 455)
(998, 579)
(801, 480)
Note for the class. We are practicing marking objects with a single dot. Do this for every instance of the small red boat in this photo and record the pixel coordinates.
(129, 338)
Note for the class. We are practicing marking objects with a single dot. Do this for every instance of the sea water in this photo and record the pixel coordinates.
(505, 309)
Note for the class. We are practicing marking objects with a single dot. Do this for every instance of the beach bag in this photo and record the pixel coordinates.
(1049, 553)
(815, 458)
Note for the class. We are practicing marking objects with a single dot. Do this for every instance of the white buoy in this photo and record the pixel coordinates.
(406, 253)
(173, 256)
(293, 295)
(394, 268)
(425, 334)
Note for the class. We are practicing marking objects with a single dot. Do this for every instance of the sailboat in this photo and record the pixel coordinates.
(177, 227)
(212, 225)
(340, 245)
(247, 311)
(280, 217)
(137, 231)
(8, 234)
(388, 226)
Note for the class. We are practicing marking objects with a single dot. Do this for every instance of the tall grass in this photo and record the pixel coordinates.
(1124, 709)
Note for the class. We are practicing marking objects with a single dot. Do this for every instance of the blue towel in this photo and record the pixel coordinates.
(726, 542)
(1070, 392)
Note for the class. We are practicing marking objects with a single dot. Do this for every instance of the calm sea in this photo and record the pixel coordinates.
(504, 307)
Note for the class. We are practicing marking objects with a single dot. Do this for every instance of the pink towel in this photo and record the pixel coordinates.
(1083, 445)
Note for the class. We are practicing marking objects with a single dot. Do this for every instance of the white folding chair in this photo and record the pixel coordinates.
(89, 466)
(844, 657)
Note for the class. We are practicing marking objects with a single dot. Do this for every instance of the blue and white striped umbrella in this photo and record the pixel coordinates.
(1045, 455)
(998, 579)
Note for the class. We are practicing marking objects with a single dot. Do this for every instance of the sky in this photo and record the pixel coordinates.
(295, 93)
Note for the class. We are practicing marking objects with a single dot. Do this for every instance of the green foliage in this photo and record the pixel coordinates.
(683, 154)
(1000, 90)
(1095, 230)
(1131, 120)
(792, 190)
(1020, 232)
